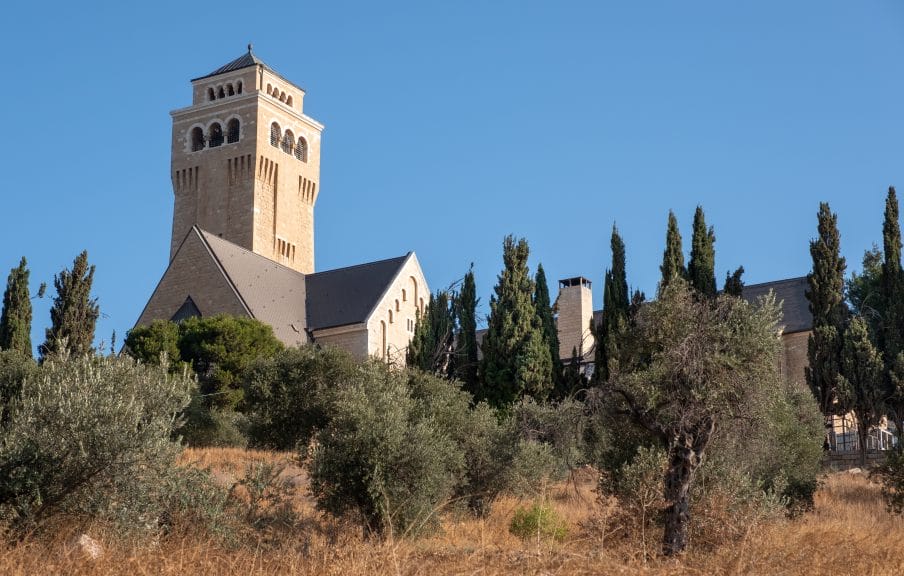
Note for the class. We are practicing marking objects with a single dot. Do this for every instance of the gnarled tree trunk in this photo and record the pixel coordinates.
(685, 456)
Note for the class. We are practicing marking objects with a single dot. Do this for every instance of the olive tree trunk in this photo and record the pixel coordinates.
(685, 456)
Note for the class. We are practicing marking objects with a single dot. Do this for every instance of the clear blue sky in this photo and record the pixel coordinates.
(452, 124)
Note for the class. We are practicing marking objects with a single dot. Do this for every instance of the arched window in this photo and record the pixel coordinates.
(390, 315)
(238, 87)
(221, 93)
(382, 339)
(197, 139)
(282, 96)
(404, 296)
(230, 90)
(288, 142)
(289, 100)
(216, 135)
(397, 304)
(301, 150)
(210, 95)
(269, 89)
(275, 133)
(232, 131)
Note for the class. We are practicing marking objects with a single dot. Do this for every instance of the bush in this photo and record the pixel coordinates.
(287, 396)
(15, 367)
(538, 521)
(90, 436)
(384, 456)
(891, 474)
(203, 425)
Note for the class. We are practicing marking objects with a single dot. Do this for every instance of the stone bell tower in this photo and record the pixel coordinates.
(246, 163)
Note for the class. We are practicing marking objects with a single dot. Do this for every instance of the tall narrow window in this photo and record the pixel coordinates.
(216, 135)
(238, 87)
(289, 100)
(221, 93)
(288, 142)
(275, 133)
(197, 139)
(301, 150)
(210, 95)
(230, 90)
(232, 131)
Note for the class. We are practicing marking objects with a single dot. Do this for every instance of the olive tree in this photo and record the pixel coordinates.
(700, 359)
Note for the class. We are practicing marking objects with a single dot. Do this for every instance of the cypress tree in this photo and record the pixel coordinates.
(826, 297)
(616, 309)
(547, 323)
(466, 350)
(431, 346)
(860, 386)
(673, 257)
(892, 334)
(15, 319)
(74, 313)
(516, 360)
(734, 285)
(701, 269)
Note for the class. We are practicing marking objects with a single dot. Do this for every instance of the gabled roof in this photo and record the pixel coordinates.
(348, 295)
(796, 315)
(244, 61)
(272, 292)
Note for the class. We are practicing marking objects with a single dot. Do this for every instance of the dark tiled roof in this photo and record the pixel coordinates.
(244, 61)
(348, 295)
(791, 293)
(272, 292)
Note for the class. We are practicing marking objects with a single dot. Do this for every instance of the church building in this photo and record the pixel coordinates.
(246, 177)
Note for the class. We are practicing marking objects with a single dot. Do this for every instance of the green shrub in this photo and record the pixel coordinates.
(15, 367)
(287, 396)
(90, 436)
(383, 456)
(205, 426)
(891, 474)
(540, 521)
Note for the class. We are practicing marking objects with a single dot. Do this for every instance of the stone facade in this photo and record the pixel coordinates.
(575, 306)
(391, 324)
(246, 165)
(195, 267)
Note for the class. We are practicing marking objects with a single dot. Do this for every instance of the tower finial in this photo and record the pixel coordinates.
(250, 46)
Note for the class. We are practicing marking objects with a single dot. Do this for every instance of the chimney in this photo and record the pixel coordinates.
(575, 306)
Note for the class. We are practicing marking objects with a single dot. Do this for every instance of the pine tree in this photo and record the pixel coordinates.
(892, 300)
(673, 257)
(15, 319)
(825, 294)
(516, 360)
(701, 269)
(466, 361)
(616, 309)
(74, 313)
(431, 346)
(860, 386)
(547, 323)
(734, 285)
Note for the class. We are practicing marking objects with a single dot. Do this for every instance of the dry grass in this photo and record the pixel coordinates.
(849, 533)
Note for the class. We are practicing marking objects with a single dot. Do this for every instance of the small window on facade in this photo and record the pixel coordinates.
(282, 96)
(288, 142)
(301, 150)
(232, 131)
(216, 135)
(210, 95)
(221, 93)
(238, 87)
(390, 316)
(197, 139)
(269, 89)
(289, 100)
(397, 305)
(275, 133)
(404, 296)
(230, 90)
